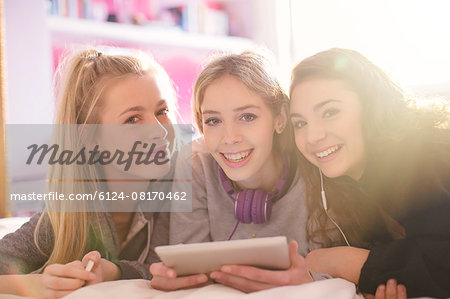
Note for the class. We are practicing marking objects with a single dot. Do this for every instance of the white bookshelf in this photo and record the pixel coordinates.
(68, 31)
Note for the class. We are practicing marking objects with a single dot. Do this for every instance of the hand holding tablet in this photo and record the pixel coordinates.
(185, 259)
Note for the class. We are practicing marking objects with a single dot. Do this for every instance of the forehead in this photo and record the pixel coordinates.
(132, 88)
(130, 84)
(312, 92)
(228, 92)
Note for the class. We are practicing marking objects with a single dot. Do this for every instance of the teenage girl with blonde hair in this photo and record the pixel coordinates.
(243, 160)
(96, 89)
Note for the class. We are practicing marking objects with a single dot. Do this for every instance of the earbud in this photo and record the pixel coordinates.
(322, 192)
(325, 206)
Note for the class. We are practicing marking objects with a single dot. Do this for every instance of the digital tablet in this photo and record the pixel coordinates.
(185, 259)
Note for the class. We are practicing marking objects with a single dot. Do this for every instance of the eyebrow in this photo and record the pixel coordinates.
(140, 108)
(134, 108)
(317, 107)
(235, 110)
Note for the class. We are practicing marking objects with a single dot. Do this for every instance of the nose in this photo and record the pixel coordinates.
(231, 134)
(158, 130)
(316, 132)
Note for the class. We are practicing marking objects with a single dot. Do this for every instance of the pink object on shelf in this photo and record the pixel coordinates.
(183, 70)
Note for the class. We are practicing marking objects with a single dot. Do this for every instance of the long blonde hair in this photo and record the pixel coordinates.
(81, 80)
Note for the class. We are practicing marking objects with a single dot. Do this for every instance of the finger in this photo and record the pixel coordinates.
(293, 247)
(295, 258)
(257, 274)
(299, 272)
(61, 283)
(95, 256)
(401, 292)
(171, 284)
(71, 270)
(381, 292)
(391, 289)
(76, 263)
(240, 283)
(159, 269)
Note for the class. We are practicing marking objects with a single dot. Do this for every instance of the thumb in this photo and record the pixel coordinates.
(295, 258)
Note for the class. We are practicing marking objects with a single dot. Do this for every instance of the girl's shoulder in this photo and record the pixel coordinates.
(195, 162)
(196, 154)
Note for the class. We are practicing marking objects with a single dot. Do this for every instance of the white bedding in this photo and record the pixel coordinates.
(139, 288)
(9, 225)
(330, 288)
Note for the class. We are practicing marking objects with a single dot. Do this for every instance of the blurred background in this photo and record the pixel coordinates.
(410, 39)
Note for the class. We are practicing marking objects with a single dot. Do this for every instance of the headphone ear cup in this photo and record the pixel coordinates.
(239, 205)
(247, 213)
(267, 208)
(244, 206)
(253, 206)
(258, 206)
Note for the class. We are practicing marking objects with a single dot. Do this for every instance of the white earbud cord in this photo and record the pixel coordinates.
(325, 207)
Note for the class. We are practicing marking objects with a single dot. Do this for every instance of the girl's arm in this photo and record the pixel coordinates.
(159, 237)
(55, 282)
(18, 251)
(419, 261)
(344, 261)
(27, 285)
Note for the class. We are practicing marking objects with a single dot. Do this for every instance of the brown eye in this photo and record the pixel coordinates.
(330, 112)
(163, 111)
(299, 124)
(248, 117)
(212, 121)
(132, 120)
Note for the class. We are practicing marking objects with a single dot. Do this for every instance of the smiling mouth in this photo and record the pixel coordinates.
(236, 157)
(328, 152)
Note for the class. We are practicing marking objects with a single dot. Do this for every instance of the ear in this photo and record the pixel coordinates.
(281, 119)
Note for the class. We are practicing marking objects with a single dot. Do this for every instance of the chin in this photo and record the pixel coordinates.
(332, 173)
(149, 172)
(235, 175)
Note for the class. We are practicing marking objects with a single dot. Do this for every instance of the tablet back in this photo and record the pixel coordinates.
(269, 253)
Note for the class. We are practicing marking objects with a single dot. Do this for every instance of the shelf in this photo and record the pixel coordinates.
(66, 30)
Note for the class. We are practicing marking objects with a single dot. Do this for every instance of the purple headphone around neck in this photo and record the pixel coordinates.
(254, 205)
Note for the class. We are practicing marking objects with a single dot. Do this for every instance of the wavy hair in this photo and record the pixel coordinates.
(388, 116)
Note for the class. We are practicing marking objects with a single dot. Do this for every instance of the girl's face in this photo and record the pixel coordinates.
(134, 109)
(327, 119)
(238, 129)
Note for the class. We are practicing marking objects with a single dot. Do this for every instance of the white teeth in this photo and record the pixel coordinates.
(237, 157)
(328, 151)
